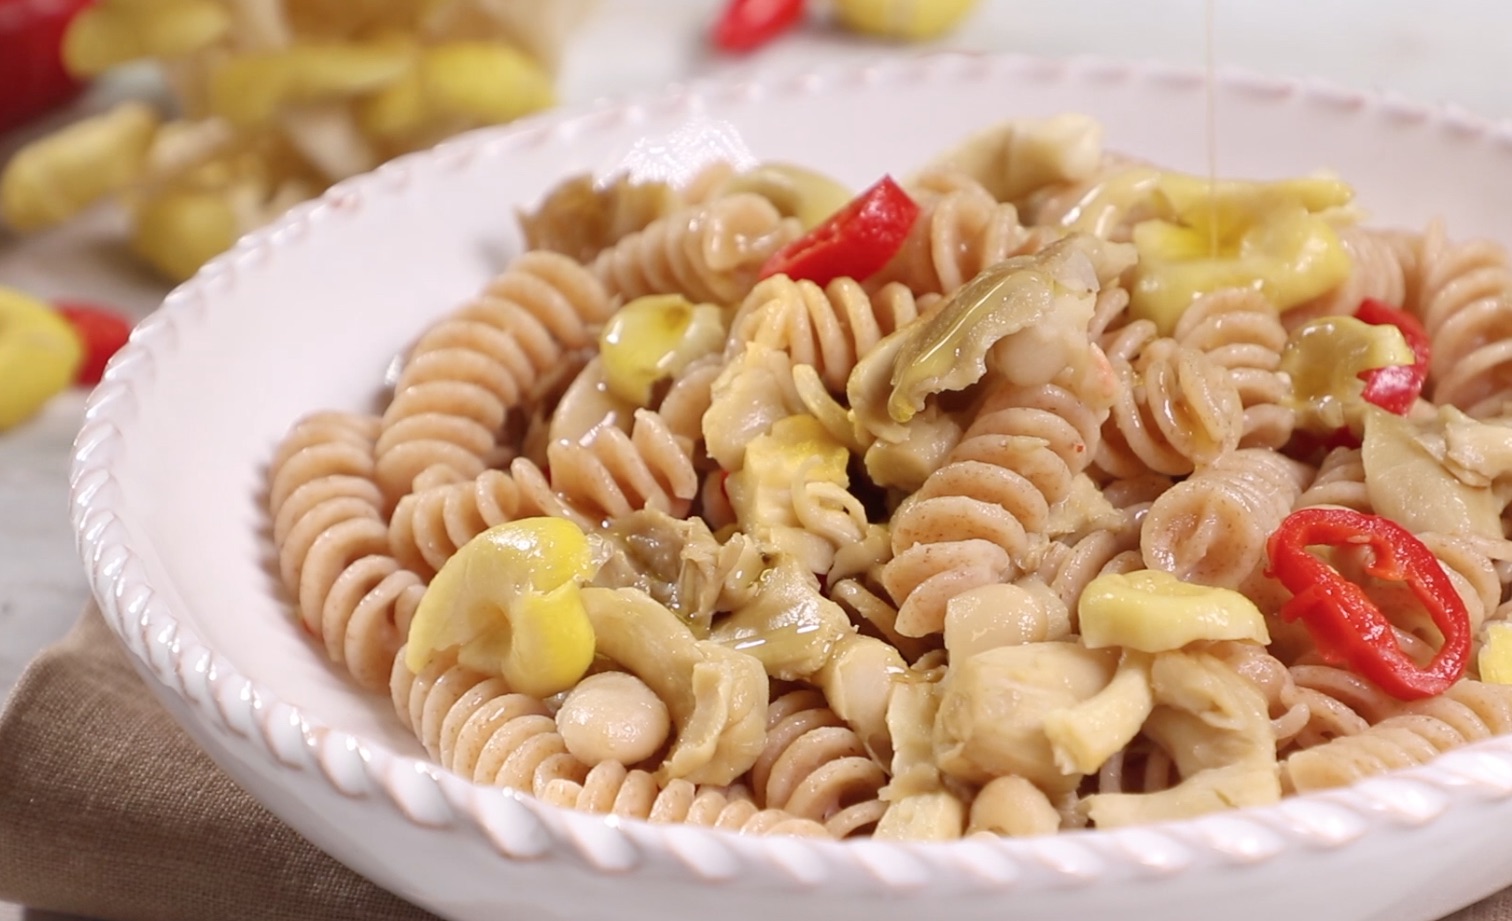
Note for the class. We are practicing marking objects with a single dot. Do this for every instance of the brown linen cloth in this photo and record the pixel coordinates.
(107, 809)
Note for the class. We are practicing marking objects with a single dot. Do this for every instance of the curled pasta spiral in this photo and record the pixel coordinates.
(430, 524)
(707, 253)
(975, 519)
(1211, 528)
(472, 367)
(475, 726)
(611, 475)
(1467, 712)
(1340, 481)
(961, 230)
(614, 474)
(1238, 330)
(1464, 298)
(816, 767)
(828, 328)
(1174, 410)
(333, 544)
(612, 789)
(1069, 566)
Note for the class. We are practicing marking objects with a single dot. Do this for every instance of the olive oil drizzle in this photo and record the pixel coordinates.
(1212, 125)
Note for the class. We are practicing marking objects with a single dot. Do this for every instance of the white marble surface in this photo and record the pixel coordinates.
(1453, 50)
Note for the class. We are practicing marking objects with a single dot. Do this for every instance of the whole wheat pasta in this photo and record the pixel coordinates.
(917, 554)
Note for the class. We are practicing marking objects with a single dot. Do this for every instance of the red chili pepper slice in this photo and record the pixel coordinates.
(748, 24)
(32, 77)
(1344, 622)
(1396, 388)
(854, 242)
(102, 331)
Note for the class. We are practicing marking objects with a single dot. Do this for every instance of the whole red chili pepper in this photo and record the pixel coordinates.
(748, 24)
(1344, 622)
(1395, 388)
(854, 242)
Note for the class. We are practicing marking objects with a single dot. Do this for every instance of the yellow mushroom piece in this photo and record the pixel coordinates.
(181, 229)
(1273, 237)
(1495, 658)
(56, 177)
(1153, 611)
(39, 353)
(117, 31)
(797, 451)
(478, 82)
(717, 697)
(911, 20)
(796, 191)
(250, 89)
(1324, 359)
(511, 601)
(652, 339)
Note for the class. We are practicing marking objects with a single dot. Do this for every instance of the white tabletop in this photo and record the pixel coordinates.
(1454, 50)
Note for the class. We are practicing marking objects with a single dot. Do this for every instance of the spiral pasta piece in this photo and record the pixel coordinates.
(974, 520)
(707, 253)
(333, 544)
(432, 523)
(961, 230)
(816, 767)
(1464, 298)
(1175, 409)
(1211, 528)
(1467, 712)
(1340, 481)
(827, 328)
(612, 789)
(472, 367)
(1238, 330)
(614, 474)
(475, 726)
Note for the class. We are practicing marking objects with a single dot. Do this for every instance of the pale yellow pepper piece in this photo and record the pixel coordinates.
(653, 338)
(1269, 236)
(115, 32)
(1324, 359)
(249, 89)
(511, 600)
(1153, 611)
(39, 353)
(796, 191)
(478, 82)
(912, 20)
(761, 491)
(179, 230)
(56, 177)
(1495, 659)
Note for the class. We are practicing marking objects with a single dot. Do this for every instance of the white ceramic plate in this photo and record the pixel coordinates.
(307, 314)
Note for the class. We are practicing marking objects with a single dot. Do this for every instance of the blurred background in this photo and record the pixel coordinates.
(187, 122)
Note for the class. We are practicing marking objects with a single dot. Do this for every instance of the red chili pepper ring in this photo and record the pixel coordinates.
(1342, 619)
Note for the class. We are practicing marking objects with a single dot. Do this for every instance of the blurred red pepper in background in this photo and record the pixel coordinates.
(32, 77)
(748, 24)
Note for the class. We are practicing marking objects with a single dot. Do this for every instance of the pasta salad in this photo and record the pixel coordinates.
(1041, 489)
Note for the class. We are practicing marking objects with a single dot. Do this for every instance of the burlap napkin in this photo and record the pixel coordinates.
(108, 810)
